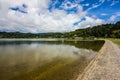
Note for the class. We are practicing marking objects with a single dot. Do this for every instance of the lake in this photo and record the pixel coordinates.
(45, 59)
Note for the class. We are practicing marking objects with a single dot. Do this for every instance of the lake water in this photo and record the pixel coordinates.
(32, 59)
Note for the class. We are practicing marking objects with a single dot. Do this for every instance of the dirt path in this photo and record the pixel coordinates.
(105, 66)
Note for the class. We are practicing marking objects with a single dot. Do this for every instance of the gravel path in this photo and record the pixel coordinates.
(105, 66)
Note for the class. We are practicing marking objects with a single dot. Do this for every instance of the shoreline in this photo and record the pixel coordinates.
(105, 65)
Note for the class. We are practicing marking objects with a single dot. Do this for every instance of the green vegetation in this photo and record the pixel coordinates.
(105, 31)
(29, 35)
(117, 41)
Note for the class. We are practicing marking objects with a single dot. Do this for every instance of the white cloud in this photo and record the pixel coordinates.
(104, 14)
(113, 17)
(68, 5)
(89, 22)
(85, 4)
(38, 17)
(114, 2)
(96, 5)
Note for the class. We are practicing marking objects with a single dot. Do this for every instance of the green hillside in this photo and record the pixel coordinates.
(105, 31)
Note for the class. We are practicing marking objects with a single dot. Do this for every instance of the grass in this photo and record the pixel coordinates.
(115, 40)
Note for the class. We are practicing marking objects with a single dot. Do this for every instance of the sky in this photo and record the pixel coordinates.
(42, 16)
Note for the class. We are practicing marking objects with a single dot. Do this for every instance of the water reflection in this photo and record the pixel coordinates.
(34, 53)
(23, 58)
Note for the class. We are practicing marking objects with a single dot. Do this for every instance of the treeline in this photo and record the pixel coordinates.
(106, 30)
(29, 35)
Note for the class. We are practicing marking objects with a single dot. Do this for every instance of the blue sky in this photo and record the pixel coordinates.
(103, 11)
(39, 16)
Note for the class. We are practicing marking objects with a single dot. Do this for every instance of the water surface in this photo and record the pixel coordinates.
(45, 60)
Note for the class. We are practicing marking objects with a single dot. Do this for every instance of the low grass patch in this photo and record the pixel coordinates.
(115, 40)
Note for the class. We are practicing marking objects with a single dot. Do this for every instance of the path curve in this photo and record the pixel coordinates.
(105, 66)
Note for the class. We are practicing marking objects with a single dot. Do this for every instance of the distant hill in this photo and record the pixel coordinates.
(106, 30)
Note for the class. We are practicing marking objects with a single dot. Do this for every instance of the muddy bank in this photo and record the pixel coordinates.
(105, 66)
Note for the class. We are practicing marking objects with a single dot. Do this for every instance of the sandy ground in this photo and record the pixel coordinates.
(105, 66)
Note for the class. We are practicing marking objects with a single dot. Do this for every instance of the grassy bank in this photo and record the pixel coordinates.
(115, 40)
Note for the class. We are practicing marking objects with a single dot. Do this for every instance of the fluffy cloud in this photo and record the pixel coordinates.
(89, 21)
(113, 17)
(38, 18)
(68, 5)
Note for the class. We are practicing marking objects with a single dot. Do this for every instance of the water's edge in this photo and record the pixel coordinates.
(80, 76)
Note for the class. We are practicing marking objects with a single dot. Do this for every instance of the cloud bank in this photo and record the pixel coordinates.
(35, 16)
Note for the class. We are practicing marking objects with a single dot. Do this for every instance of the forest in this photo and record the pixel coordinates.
(104, 31)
